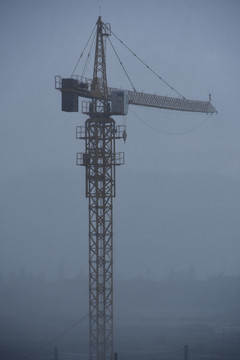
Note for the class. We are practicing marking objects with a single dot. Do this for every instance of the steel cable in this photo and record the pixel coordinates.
(56, 338)
(148, 67)
(122, 65)
(88, 57)
(83, 50)
(168, 132)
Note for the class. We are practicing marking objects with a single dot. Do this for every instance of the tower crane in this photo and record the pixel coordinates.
(100, 160)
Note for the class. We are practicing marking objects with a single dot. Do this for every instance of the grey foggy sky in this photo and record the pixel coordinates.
(194, 45)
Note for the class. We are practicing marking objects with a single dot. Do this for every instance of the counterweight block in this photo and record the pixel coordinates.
(69, 95)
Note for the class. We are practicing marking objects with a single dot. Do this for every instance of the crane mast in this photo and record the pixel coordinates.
(100, 160)
(99, 83)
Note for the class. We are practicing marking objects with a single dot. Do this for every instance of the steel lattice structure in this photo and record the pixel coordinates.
(170, 103)
(140, 98)
(100, 160)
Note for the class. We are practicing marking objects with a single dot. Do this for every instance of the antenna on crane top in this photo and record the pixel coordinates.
(100, 160)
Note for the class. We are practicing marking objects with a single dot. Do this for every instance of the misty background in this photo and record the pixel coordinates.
(177, 201)
(176, 213)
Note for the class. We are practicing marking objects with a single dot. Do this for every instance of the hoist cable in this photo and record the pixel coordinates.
(88, 56)
(122, 65)
(83, 50)
(168, 132)
(147, 66)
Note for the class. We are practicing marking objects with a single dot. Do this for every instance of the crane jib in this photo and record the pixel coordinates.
(165, 102)
(72, 89)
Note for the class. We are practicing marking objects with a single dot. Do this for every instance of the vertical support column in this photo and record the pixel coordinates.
(100, 160)
(100, 189)
(99, 83)
(185, 352)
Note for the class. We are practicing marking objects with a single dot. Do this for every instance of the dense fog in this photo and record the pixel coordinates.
(176, 212)
(153, 318)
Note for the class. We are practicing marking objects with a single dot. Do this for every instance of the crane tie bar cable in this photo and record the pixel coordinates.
(147, 66)
(83, 50)
(134, 89)
(88, 56)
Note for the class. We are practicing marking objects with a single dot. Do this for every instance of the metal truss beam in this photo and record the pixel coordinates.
(140, 98)
(170, 103)
(100, 160)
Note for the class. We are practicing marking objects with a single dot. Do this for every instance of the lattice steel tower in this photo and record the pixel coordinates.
(100, 160)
